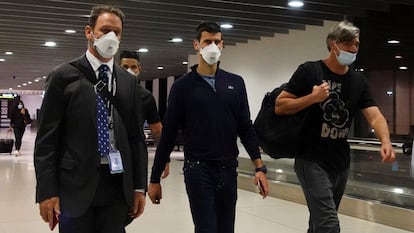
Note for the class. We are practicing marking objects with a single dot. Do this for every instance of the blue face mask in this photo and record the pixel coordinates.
(345, 58)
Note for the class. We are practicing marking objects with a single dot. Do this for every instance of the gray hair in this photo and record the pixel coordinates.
(343, 31)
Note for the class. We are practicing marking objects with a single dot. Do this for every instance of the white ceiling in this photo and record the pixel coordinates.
(26, 25)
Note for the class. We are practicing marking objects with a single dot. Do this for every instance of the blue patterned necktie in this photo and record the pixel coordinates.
(102, 115)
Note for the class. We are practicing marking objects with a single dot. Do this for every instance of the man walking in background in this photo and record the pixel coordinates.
(129, 60)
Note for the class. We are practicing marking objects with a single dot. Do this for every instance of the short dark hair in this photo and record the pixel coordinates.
(129, 54)
(210, 27)
(98, 10)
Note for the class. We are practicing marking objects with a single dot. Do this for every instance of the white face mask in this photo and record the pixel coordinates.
(19, 106)
(107, 45)
(211, 53)
(132, 72)
(345, 58)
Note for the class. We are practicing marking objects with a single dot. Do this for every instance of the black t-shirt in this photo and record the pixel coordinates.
(150, 107)
(329, 122)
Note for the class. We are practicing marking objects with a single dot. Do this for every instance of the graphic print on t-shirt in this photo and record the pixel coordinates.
(335, 114)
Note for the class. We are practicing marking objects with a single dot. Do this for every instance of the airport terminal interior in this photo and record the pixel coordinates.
(254, 214)
(265, 42)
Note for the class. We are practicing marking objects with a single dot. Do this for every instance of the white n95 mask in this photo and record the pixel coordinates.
(211, 53)
(107, 45)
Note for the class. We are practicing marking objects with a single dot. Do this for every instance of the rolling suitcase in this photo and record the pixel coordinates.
(6, 144)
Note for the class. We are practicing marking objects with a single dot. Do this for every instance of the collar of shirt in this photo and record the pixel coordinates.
(210, 79)
(95, 63)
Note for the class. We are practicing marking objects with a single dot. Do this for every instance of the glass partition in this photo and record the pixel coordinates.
(369, 178)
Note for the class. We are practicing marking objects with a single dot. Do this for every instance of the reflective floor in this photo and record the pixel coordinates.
(19, 213)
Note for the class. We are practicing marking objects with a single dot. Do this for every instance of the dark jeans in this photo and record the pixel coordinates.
(18, 135)
(212, 192)
(323, 192)
(107, 212)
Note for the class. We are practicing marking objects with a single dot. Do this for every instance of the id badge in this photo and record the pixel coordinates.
(115, 162)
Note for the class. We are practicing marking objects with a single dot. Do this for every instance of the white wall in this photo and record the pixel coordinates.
(267, 63)
(32, 103)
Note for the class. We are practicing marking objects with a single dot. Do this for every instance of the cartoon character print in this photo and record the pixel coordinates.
(335, 111)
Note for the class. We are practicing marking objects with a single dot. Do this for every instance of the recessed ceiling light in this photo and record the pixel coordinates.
(10, 89)
(226, 26)
(142, 50)
(389, 93)
(37, 80)
(393, 41)
(403, 68)
(50, 44)
(8, 53)
(70, 31)
(295, 3)
(44, 77)
(176, 40)
(2, 59)
(185, 62)
(398, 57)
(160, 67)
(29, 82)
(19, 85)
(24, 84)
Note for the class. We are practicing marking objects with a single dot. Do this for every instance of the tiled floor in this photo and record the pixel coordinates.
(19, 213)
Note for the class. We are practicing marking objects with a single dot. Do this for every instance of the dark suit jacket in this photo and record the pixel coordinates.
(66, 157)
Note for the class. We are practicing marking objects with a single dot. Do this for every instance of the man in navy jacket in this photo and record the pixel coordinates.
(210, 106)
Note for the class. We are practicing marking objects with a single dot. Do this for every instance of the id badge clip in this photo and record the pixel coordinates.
(115, 162)
(99, 86)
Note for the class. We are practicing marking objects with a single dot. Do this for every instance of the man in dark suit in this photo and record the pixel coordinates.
(84, 185)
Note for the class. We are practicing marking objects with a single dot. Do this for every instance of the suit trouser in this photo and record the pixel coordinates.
(323, 192)
(212, 192)
(107, 212)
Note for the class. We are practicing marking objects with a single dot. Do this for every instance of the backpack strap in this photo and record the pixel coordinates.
(317, 66)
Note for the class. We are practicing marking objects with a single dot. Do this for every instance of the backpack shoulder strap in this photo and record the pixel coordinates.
(317, 66)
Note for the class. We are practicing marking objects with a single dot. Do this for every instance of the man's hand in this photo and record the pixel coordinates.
(155, 193)
(166, 171)
(50, 210)
(139, 204)
(387, 153)
(320, 93)
(260, 179)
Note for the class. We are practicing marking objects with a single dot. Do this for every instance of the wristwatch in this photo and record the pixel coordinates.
(261, 169)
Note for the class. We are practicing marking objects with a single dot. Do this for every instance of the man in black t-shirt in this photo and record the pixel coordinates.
(129, 60)
(322, 165)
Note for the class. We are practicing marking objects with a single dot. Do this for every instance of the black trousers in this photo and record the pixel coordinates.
(107, 212)
(323, 192)
(18, 135)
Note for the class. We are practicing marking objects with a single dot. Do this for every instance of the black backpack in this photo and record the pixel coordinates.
(282, 136)
(279, 136)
